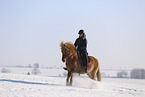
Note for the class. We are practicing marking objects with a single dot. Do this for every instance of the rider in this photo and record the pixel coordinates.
(81, 45)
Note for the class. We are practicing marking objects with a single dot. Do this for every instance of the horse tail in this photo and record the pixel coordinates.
(99, 75)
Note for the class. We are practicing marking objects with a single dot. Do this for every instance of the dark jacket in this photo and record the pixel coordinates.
(81, 44)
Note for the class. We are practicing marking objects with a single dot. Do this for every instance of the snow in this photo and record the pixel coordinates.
(20, 85)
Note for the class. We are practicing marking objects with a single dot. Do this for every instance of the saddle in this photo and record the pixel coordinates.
(79, 56)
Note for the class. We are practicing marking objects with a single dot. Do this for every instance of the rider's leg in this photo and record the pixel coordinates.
(85, 60)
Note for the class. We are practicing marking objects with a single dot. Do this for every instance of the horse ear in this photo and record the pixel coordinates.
(62, 44)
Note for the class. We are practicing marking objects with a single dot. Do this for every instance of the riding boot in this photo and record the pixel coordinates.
(86, 62)
(84, 58)
(86, 69)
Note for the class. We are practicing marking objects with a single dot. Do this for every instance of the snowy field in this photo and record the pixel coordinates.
(52, 71)
(20, 85)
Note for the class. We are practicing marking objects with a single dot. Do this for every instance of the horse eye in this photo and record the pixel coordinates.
(68, 51)
(65, 51)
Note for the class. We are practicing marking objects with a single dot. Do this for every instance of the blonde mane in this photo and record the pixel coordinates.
(69, 45)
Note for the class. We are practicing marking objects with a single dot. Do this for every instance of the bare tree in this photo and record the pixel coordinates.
(5, 70)
(138, 73)
(36, 69)
(122, 74)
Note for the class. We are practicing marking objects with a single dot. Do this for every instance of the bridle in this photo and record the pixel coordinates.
(70, 55)
(68, 51)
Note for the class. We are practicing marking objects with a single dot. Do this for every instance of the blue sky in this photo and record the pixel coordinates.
(31, 31)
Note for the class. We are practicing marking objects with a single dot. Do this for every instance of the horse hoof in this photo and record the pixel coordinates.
(68, 84)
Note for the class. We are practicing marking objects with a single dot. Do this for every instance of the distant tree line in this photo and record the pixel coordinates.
(4, 70)
(135, 73)
(138, 73)
(122, 74)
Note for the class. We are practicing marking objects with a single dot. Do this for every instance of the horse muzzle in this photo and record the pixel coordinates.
(63, 60)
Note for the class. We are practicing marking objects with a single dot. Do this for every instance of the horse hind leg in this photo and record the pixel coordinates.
(89, 74)
(92, 74)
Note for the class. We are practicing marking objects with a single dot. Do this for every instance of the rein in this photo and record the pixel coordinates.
(69, 51)
(70, 55)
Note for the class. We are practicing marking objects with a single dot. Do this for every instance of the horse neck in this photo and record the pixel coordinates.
(75, 56)
(73, 49)
(73, 60)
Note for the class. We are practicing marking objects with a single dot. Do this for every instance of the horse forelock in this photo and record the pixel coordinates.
(62, 45)
(70, 45)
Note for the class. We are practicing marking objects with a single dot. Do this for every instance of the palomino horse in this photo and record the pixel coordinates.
(73, 64)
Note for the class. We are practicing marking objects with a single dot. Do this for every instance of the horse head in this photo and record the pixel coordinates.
(67, 49)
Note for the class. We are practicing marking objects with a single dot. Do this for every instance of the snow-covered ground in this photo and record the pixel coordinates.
(20, 85)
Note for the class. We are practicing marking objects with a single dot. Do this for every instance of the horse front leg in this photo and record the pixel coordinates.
(68, 81)
(71, 80)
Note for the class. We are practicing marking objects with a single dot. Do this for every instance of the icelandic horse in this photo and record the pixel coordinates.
(73, 64)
